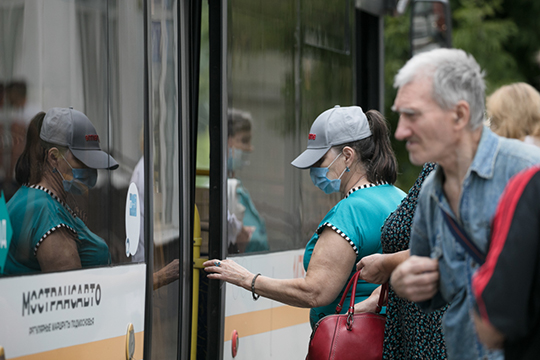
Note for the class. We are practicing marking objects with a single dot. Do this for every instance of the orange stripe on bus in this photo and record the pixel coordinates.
(108, 349)
(258, 322)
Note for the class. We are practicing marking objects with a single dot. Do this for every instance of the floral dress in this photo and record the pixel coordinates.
(410, 333)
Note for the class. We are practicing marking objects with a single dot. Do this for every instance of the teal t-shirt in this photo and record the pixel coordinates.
(358, 218)
(259, 238)
(34, 214)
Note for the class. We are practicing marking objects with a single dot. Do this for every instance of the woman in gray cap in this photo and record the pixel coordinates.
(348, 151)
(61, 157)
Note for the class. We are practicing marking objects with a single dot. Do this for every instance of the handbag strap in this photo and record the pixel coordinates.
(382, 297)
(354, 281)
(462, 238)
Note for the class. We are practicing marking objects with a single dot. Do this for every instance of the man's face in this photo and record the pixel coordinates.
(426, 127)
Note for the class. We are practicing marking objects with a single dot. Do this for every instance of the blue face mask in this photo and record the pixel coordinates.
(319, 178)
(237, 159)
(83, 179)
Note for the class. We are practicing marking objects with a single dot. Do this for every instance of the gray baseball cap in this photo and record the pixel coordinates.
(71, 128)
(336, 126)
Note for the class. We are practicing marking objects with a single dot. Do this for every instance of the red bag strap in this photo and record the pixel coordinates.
(382, 297)
(354, 282)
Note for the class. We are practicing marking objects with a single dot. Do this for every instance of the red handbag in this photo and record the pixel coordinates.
(349, 336)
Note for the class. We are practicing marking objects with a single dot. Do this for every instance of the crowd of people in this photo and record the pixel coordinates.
(460, 249)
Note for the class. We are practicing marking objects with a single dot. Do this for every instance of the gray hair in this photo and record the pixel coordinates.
(456, 76)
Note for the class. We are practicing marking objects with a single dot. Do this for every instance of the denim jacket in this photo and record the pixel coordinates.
(496, 160)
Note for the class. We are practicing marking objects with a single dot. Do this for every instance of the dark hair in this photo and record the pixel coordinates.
(376, 152)
(237, 121)
(30, 164)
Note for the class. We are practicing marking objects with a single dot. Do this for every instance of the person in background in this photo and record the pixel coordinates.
(247, 228)
(507, 286)
(403, 338)
(348, 151)
(440, 100)
(514, 112)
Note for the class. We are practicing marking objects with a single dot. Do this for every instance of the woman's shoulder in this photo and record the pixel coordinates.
(375, 192)
(29, 197)
(37, 200)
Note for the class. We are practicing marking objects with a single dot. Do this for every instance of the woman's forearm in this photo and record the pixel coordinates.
(393, 260)
(295, 292)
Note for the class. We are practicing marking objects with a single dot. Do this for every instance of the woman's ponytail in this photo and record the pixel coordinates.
(383, 164)
(30, 164)
(375, 152)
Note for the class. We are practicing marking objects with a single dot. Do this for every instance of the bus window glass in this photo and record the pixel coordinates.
(277, 84)
(164, 119)
(79, 54)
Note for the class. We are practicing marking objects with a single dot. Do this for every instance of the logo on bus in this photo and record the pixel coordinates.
(60, 298)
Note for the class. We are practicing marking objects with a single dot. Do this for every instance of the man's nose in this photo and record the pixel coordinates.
(402, 130)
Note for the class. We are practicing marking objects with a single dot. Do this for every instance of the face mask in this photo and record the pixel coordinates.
(237, 159)
(83, 179)
(319, 178)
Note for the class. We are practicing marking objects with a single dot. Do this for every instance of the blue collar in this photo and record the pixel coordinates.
(486, 154)
(483, 163)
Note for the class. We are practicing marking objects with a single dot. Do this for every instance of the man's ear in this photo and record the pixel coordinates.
(463, 114)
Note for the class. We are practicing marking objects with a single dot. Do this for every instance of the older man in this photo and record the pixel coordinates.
(441, 105)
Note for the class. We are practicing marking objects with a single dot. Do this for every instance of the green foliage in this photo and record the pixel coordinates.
(397, 52)
(478, 31)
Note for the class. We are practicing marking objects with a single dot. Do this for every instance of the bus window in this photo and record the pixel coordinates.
(80, 55)
(270, 110)
(85, 63)
(163, 24)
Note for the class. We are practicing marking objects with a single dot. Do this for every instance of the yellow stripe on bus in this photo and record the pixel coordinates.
(258, 322)
(108, 349)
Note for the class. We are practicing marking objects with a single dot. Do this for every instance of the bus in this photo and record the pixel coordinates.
(160, 79)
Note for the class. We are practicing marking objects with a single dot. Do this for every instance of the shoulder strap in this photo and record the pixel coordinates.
(461, 237)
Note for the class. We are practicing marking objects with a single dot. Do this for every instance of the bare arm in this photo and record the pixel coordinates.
(370, 304)
(377, 268)
(59, 252)
(330, 266)
(167, 274)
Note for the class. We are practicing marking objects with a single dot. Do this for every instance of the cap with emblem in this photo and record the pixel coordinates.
(336, 126)
(71, 128)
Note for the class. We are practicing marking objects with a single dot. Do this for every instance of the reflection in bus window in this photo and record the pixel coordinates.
(57, 168)
(284, 99)
(87, 62)
(252, 236)
(163, 87)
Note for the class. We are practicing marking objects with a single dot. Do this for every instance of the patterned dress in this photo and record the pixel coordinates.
(410, 333)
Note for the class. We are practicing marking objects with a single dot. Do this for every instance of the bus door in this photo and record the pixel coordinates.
(89, 55)
(273, 67)
(173, 81)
